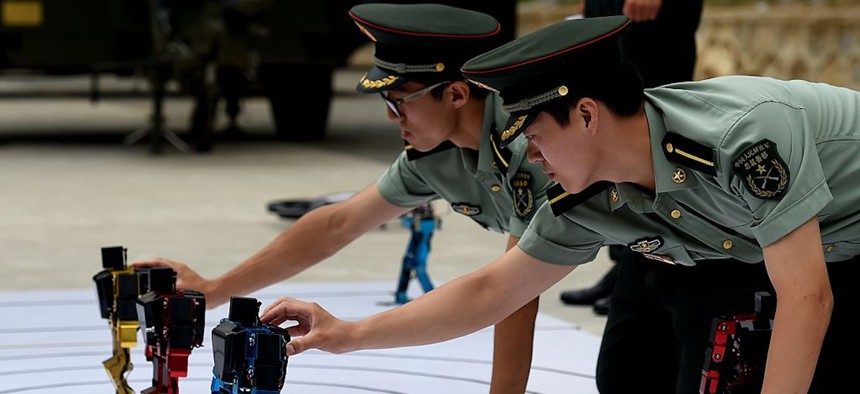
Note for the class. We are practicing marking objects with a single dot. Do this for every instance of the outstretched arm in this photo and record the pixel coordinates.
(314, 237)
(512, 346)
(797, 269)
(457, 308)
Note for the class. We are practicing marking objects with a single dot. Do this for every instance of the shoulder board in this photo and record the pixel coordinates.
(501, 156)
(414, 154)
(561, 201)
(682, 150)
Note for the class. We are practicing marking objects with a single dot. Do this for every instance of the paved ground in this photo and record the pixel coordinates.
(70, 186)
(34, 358)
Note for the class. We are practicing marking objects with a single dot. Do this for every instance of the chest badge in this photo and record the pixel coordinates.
(646, 245)
(466, 208)
(524, 200)
(762, 170)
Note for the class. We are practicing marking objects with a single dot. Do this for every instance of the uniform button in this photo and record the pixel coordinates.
(829, 248)
(496, 188)
(670, 148)
(727, 244)
(675, 214)
(494, 166)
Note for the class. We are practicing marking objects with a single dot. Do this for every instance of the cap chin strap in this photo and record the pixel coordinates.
(531, 102)
(402, 68)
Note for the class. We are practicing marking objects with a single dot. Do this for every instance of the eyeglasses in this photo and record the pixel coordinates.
(394, 105)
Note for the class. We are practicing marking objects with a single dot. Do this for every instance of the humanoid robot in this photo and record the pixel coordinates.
(173, 322)
(118, 287)
(250, 357)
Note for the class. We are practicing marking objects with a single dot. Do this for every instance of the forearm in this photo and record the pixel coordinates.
(314, 237)
(798, 332)
(795, 264)
(458, 308)
(461, 306)
(434, 317)
(512, 350)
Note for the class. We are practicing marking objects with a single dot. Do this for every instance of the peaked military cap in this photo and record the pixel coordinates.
(547, 64)
(429, 42)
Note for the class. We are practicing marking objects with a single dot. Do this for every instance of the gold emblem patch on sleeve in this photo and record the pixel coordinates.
(524, 199)
(762, 170)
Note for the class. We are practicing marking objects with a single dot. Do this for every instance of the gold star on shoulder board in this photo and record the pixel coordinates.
(679, 176)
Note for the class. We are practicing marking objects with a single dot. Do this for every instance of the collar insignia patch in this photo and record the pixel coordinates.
(561, 201)
(501, 156)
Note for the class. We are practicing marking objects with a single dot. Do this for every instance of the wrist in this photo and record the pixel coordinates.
(211, 289)
(355, 333)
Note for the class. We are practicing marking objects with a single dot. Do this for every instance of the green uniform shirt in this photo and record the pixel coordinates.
(498, 188)
(739, 163)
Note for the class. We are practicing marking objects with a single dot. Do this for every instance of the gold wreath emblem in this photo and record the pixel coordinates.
(783, 180)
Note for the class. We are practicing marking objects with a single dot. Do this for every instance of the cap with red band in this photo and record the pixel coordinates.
(546, 65)
(429, 42)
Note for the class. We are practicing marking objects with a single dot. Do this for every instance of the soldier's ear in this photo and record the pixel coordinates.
(586, 116)
(459, 93)
(586, 108)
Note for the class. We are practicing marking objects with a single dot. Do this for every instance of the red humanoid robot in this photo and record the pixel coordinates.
(173, 322)
(737, 351)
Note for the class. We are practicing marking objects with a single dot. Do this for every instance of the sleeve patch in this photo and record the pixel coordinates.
(524, 199)
(762, 170)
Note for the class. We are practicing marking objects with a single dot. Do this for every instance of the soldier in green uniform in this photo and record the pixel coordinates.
(450, 127)
(735, 185)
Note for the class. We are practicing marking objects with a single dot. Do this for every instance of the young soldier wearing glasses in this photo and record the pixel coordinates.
(735, 185)
(451, 129)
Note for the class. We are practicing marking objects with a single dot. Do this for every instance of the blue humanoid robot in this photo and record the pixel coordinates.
(250, 357)
(422, 222)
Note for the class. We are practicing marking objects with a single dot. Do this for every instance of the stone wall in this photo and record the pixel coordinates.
(813, 43)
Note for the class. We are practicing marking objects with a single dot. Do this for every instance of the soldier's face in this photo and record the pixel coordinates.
(565, 153)
(423, 121)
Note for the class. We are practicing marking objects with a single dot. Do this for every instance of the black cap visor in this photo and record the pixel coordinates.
(516, 124)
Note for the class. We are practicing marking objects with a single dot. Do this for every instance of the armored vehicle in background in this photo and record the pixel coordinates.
(284, 50)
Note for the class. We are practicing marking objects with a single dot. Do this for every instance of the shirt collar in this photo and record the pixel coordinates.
(668, 177)
(493, 117)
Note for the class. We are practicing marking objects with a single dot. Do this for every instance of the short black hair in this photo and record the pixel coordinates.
(621, 90)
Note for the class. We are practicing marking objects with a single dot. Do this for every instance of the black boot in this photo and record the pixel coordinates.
(589, 296)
